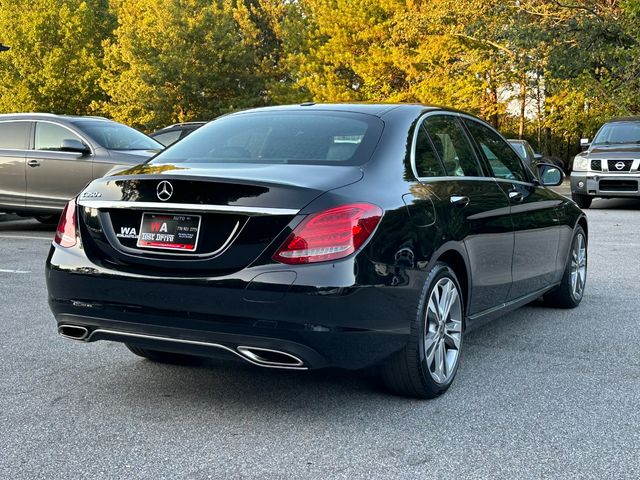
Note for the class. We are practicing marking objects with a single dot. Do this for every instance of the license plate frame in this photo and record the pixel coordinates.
(180, 224)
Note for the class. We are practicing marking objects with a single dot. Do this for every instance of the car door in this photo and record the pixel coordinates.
(53, 175)
(14, 139)
(534, 212)
(470, 206)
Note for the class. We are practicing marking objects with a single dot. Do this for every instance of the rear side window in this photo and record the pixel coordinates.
(504, 162)
(50, 136)
(14, 135)
(324, 138)
(452, 146)
(427, 162)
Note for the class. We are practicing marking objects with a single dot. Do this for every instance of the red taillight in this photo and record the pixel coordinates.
(329, 235)
(66, 232)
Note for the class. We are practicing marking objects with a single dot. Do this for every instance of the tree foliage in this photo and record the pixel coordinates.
(175, 60)
(546, 70)
(55, 61)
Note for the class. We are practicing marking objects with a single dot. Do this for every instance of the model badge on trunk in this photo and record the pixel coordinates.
(164, 190)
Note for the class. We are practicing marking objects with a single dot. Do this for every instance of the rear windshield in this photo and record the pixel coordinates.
(618, 133)
(319, 137)
(115, 136)
(520, 150)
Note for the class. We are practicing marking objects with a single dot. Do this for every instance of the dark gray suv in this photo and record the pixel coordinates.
(47, 159)
(610, 165)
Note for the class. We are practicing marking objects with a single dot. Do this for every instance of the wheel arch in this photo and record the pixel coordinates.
(582, 221)
(458, 263)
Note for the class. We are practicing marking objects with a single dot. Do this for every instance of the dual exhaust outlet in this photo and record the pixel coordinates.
(264, 357)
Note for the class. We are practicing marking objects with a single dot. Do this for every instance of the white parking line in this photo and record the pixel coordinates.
(27, 237)
(2, 270)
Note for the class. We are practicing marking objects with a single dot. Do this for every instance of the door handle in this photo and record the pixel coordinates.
(515, 197)
(33, 163)
(459, 200)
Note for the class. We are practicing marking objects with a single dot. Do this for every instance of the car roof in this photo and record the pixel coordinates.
(376, 109)
(181, 124)
(624, 119)
(49, 116)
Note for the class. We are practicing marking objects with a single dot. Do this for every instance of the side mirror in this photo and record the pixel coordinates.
(550, 175)
(585, 142)
(537, 156)
(73, 145)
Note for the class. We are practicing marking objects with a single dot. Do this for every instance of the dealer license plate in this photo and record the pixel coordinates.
(169, 232)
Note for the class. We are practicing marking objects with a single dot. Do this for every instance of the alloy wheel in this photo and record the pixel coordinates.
(443, 330)
(578, 266)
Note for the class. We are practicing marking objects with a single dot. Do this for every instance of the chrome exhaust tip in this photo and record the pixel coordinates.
(73, 332)
(267, 357)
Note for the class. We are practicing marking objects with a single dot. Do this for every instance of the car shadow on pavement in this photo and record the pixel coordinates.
(616, 204)
(19, 225)
(234, 386)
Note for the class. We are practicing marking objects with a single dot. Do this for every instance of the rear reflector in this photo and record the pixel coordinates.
(66, 235)
(330, 235)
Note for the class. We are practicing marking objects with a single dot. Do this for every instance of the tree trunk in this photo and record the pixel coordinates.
(523, 105)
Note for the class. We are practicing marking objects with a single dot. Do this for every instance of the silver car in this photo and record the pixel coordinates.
(47, 159)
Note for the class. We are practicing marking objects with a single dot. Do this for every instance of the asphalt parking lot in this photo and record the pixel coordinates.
(541, 393)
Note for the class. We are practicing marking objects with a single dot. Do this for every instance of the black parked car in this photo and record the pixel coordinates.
(318, 235)
(171, 134)
(530, 158)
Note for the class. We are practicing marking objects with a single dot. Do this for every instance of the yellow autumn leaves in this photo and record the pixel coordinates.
(549, 70)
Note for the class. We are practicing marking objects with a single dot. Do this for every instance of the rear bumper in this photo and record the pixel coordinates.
(349, 321)
(599, 184)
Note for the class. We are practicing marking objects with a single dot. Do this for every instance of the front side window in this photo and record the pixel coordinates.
(50, 136)
(452, 146)
(618, 133)
(504, 162)
(427, 162)
(14, 135)
(322, 138)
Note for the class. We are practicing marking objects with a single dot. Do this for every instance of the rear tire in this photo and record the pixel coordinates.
(583, 201)
(165, 357)
(427, 365)
(48, 219)
(571, 289)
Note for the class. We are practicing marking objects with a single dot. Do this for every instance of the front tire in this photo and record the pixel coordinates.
(427, 365)
(583, 201)
(164, 357)
(571, 289)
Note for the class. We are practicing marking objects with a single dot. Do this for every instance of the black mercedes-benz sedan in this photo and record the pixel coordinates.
(313, 236)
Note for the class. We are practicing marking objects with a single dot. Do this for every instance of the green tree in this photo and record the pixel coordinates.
(275, 30)
(55, 59)
(177, 60)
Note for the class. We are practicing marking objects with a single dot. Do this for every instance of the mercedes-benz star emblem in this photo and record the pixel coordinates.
(164, 190)
(620, 165)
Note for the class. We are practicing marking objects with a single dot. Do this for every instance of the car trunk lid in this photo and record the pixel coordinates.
(206, 220)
